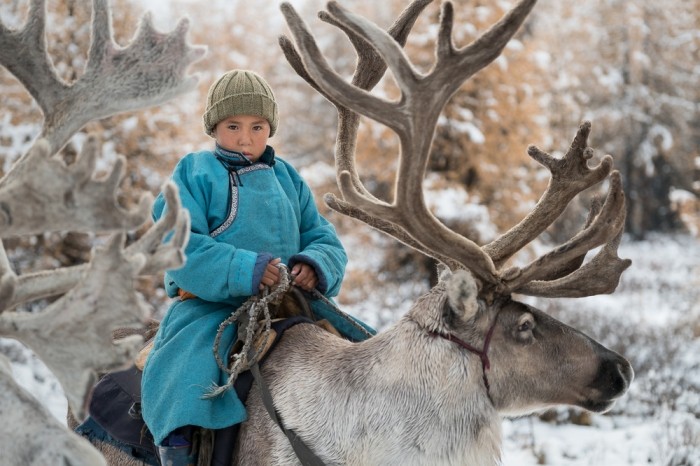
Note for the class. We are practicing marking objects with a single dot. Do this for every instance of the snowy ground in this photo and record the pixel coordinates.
(653, 319)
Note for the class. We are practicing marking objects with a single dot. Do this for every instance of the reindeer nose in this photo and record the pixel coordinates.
(614, 376)
(626, 372)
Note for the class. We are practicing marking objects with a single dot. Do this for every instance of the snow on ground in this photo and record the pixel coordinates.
(653, 319)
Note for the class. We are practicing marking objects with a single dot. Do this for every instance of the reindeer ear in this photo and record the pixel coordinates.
(462, 292)
(443, 272)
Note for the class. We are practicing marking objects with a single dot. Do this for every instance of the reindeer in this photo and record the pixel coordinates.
(41, 193)
(431, 388)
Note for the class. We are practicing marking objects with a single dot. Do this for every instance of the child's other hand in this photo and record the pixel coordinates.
(271, 276)
(304, 276)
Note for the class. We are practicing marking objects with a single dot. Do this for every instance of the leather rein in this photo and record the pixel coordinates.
(482, 353)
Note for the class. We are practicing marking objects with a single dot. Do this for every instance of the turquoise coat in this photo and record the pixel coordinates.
(236, 213)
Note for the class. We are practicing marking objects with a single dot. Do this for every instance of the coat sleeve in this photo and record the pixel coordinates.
(320, 246)
(213, 271)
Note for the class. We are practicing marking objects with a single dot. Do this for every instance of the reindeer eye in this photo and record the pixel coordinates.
(525, 326)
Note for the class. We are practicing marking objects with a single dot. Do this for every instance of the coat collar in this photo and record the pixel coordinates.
(236, 160)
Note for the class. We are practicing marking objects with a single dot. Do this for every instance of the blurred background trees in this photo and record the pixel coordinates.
(629, 66)
(632, 68)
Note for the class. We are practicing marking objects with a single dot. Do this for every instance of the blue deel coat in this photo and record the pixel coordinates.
(236, 213)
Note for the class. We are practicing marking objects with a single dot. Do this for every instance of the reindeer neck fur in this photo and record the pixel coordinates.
(438, 394)
(401, 397)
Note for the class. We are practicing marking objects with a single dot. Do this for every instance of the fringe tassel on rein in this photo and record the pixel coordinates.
(247, 317)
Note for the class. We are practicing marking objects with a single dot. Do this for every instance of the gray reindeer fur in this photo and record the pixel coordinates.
(405, 397)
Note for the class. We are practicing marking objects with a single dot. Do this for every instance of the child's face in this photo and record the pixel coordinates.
(246, 134)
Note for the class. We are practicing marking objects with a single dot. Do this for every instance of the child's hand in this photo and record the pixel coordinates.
(305, 276)
(271, 276)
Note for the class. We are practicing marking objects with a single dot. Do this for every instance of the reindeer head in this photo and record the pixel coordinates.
(518, 345)
(529, 359)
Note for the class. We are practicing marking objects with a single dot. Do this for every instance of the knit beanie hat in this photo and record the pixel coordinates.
(240, 92)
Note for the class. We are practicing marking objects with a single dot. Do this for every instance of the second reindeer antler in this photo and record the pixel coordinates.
(149, 71)
(73, 335)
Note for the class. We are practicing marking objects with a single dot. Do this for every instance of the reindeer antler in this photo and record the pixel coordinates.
(104, 301)
(50, 442)
(369, 70)
(414, 118)
(150, 71)
(41, 193)
(158, 255)
(73, 335)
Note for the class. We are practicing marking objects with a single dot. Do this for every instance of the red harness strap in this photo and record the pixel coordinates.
(482, 353)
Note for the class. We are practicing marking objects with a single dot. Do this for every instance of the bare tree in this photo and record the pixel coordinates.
(41, 193)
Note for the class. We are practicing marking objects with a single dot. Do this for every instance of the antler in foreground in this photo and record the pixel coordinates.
(73, 335)
(101, 299)
(48, 441)
(149, 71)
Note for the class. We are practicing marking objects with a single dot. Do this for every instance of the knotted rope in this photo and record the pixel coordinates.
(248, 316)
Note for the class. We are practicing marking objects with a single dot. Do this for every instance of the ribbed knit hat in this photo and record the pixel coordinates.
(240, 92)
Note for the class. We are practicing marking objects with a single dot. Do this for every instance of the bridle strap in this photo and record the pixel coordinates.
(482, 353)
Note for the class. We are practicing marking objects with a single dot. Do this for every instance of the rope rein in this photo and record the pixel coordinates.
(248, 318)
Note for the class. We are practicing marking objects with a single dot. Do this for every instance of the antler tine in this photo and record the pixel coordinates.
(486, 48)
(370, 67)
(568, 267)
(158, 256)
(8, 278)
(444, 40)
(570, 175)
(81, 202)
(149, 71)
(599, 276)
(35, 71)
(607, 224)
(391, 52)
(334, 86)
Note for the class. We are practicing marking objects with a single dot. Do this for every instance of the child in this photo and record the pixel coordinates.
(250, 211)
